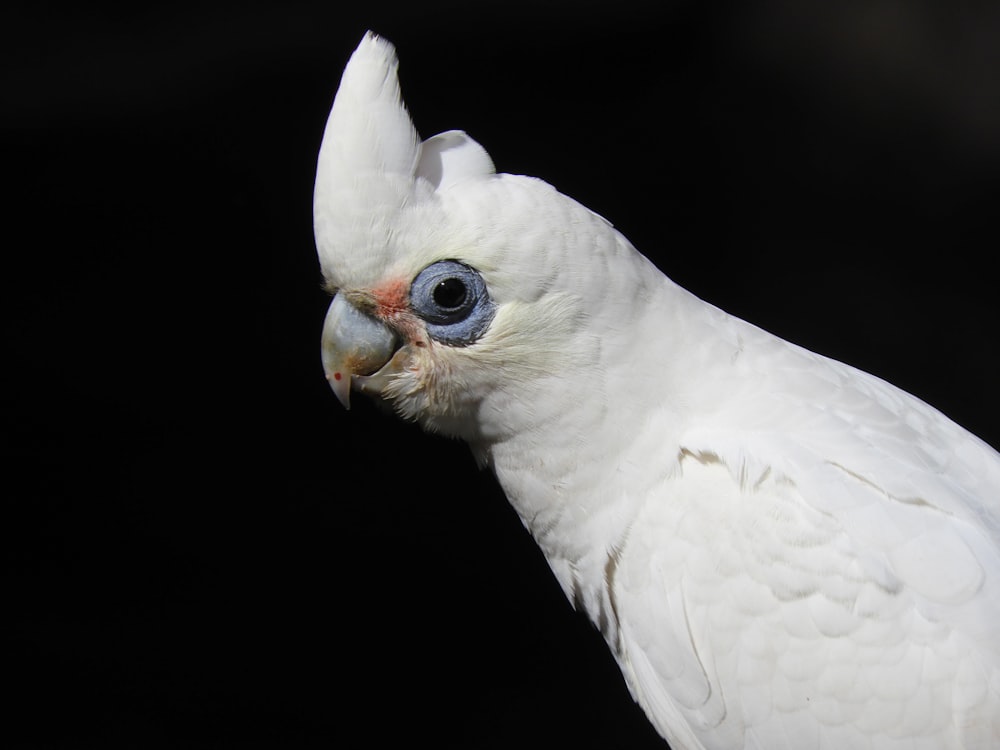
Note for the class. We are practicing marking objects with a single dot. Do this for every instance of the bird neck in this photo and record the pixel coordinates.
(575, 463)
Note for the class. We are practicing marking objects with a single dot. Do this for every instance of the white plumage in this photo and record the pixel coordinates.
(780, 550)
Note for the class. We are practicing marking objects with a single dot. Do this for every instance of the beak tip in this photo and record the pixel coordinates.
(340, 384)
(353, 343)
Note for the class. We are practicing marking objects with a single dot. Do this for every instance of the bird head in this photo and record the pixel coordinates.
(459, 293)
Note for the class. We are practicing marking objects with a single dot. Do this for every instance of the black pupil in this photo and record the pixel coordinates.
(450, 293)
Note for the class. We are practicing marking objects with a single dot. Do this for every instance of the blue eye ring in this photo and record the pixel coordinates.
(453, 301)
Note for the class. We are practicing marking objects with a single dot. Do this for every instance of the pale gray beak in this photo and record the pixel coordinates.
(353, 344)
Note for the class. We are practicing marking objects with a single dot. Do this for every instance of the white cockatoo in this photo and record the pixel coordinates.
(780, 550)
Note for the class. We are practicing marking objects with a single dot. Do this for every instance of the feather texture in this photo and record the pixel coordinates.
(781, 551)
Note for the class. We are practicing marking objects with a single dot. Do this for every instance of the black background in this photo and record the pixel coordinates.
(202, 549)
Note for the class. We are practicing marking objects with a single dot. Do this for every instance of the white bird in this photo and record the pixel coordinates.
(780, 550)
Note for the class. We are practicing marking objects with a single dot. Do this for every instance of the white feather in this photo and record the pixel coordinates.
(781, 551)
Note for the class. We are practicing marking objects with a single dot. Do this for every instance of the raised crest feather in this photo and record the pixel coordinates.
(369, 154)
(371, 161)
(450, 158)
(368, 129)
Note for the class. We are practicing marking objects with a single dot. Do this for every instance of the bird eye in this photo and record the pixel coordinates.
(452, 299)
(450, 293)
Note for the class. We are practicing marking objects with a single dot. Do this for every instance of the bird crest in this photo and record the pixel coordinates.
(372, 162)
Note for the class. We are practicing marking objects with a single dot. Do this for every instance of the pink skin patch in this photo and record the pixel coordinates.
(389, 301)
(392, 298)
(392, 304)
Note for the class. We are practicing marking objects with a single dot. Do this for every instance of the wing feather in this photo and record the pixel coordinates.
(822, 567)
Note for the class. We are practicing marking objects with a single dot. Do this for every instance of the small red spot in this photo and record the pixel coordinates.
(336, 376)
